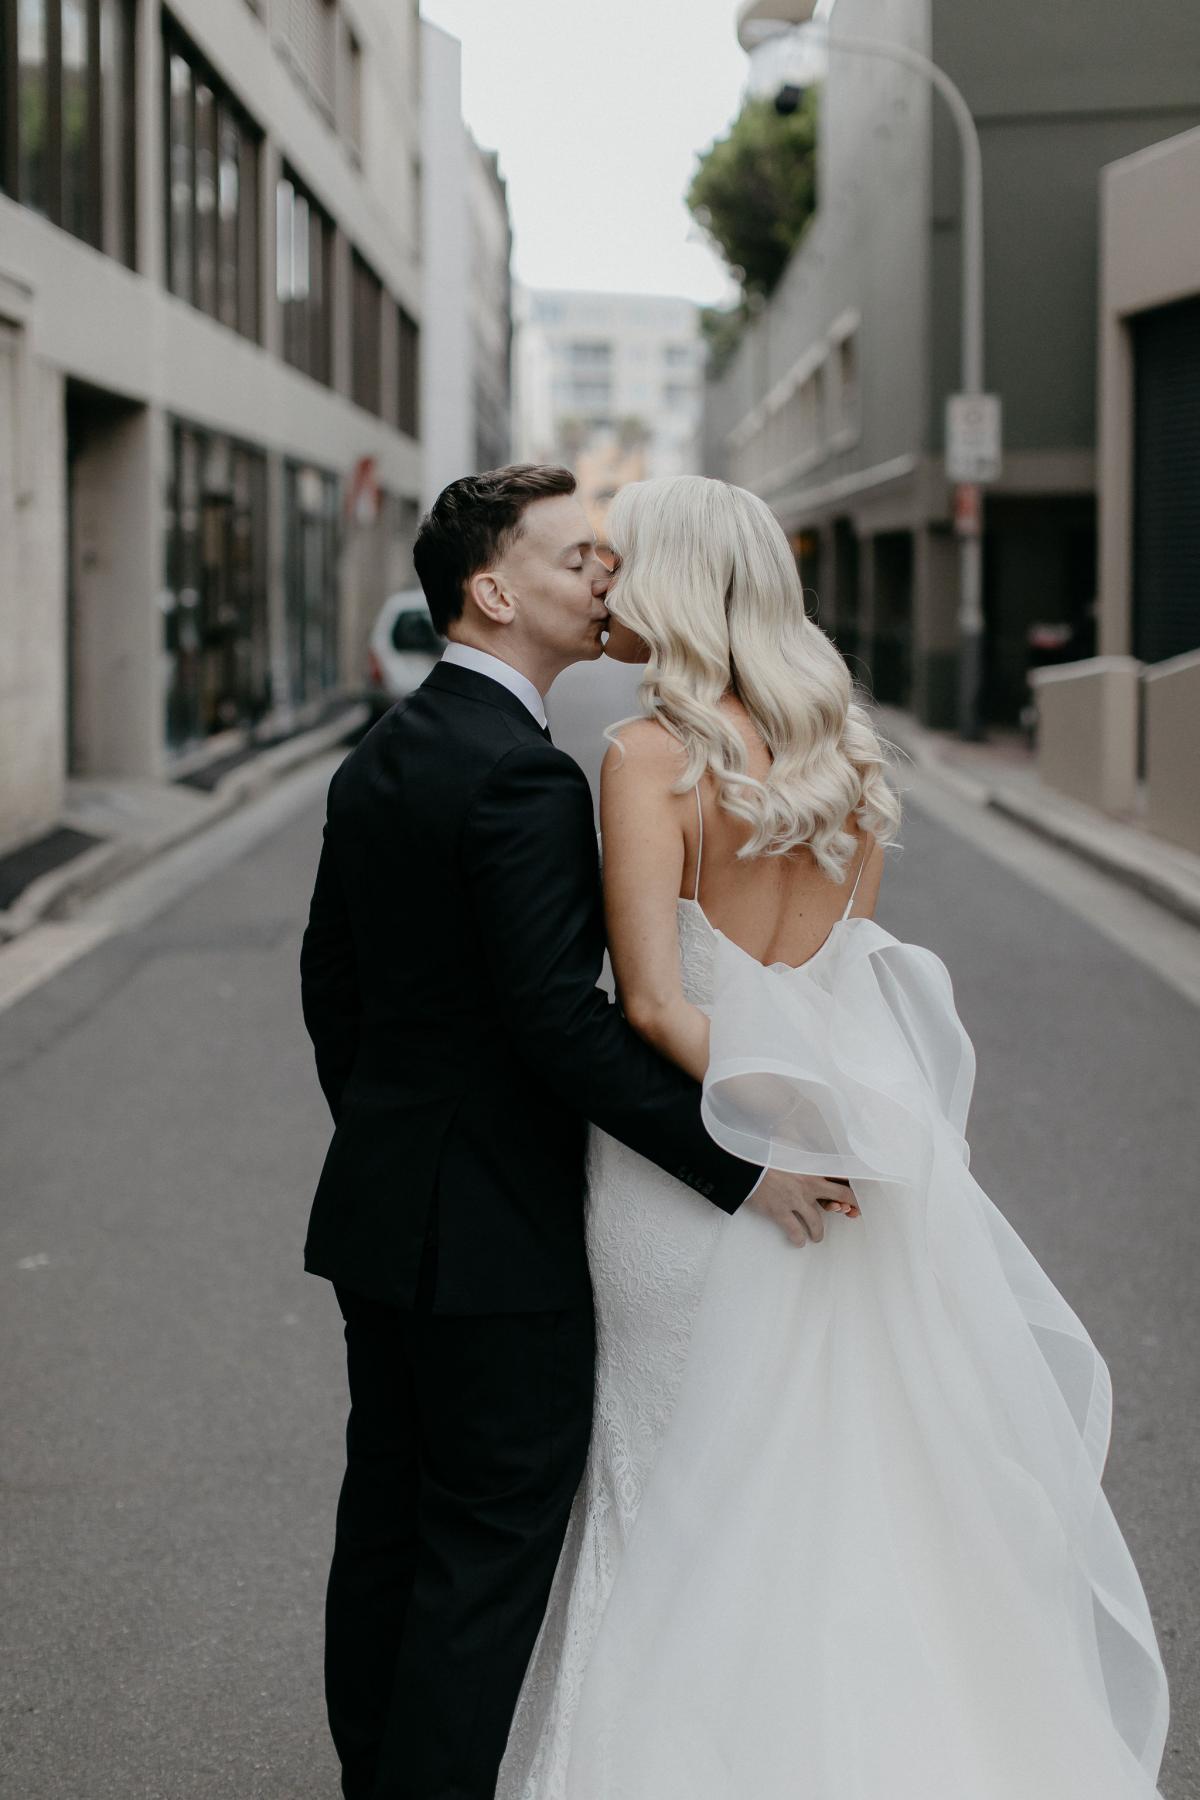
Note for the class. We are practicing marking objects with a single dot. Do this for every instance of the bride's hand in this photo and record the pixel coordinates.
(846, 1203)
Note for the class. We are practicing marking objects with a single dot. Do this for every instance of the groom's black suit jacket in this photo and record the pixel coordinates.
(449, 974)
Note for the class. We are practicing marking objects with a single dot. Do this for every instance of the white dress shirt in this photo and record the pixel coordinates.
(465, 656)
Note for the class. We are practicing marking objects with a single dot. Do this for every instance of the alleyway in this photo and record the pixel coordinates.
(173, 1401)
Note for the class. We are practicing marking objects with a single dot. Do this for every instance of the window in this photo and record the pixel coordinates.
(67, 116)
(304, 278)
(588, 357)
(366, 384)
(212, 194)
(677, 394)
(310, 502)
(589, 395)
(413, 630)
(215, 632)
(308, 29)
(847, 419)
(350, 122)
(678, 356)
(408, 373)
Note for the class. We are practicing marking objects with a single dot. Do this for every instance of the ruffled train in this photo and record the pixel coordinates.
(873, 1560)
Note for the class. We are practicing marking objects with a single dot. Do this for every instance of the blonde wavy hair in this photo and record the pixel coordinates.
(707, 579)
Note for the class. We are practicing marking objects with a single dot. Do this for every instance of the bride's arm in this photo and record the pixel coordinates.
(642, 823)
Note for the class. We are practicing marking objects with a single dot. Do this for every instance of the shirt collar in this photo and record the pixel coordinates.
(465, 656)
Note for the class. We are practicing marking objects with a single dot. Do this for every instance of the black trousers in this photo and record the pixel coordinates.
(466, 1441)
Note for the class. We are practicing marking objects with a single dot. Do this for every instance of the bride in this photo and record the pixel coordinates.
(841, 1534)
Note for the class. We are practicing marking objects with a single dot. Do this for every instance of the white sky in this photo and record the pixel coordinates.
(598, 109)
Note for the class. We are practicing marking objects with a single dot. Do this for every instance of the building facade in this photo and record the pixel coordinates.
(833, 406)
(611, 385)
(467, 250)
(209, 368)
(1122, 729)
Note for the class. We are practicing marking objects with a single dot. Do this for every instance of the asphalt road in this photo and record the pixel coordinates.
(173, 1398)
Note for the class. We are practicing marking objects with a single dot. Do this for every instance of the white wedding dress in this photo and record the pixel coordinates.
(841, 1534)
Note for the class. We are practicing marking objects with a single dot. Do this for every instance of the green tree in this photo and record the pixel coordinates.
(754, 190)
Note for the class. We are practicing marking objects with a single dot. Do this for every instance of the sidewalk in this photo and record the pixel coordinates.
(114, 827)
(1002, 774)
(111, 828)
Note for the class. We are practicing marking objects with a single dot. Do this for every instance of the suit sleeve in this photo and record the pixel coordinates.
(529, 854)
(329, 986)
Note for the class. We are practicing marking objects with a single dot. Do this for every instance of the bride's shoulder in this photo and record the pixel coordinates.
(644, 750)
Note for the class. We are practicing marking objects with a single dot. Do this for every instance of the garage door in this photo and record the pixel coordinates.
(1166, 555)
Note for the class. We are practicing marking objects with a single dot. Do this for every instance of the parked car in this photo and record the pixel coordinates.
(401, 650)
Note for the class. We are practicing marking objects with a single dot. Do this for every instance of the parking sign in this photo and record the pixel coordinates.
(973, 431)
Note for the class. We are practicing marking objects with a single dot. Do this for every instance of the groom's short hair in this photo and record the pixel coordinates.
(471, 524)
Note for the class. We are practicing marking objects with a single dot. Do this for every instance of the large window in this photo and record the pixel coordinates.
(310, 501)
(308, 29)
(215, 595)
(366, 384)
(67, 115)
(212, 193)
(408, 353)
(304, 278)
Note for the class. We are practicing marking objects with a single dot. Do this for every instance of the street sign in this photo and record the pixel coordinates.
(973, 437)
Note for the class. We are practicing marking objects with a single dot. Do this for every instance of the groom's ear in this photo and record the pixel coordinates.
(487, 592)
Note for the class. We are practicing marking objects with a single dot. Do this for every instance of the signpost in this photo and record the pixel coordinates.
(973, 454)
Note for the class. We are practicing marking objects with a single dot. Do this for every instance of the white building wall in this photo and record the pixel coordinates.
(70, 315)
(651, 370)
(446, 367)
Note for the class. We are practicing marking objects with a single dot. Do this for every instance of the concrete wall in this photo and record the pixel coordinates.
(1172, 701)
(446, 365)
(863, 258)
(1057, 92)
(114, 618)
(32, 649)
(1149, 256)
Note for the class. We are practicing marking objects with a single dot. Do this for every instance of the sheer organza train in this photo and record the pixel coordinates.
(866, 1554)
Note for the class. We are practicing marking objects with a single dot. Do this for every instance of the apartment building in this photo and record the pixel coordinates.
(833, 408)
(210, 305)
(611, 385)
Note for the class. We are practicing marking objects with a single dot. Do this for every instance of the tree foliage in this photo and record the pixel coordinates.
(754, 190)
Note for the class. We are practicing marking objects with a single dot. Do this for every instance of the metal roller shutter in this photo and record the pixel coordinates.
(1166, 553)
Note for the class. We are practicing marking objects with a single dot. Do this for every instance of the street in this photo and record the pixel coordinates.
(174, 1395)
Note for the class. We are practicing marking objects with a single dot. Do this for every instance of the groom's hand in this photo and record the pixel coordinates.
(797, 1203)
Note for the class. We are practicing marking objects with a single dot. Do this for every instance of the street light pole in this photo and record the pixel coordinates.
(970, 602)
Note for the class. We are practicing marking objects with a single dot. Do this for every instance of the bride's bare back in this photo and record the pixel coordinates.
(777, 909)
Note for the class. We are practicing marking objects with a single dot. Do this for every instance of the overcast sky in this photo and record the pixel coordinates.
(598, 109)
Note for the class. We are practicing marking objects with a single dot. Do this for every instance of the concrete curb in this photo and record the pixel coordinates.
(55, 895)
(1115, 849)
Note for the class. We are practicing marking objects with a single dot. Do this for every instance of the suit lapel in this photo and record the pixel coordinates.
(468, 684)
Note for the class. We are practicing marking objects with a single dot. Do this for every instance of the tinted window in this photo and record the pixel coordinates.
(414, 631)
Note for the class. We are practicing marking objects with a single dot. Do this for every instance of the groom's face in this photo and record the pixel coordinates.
(557, 582)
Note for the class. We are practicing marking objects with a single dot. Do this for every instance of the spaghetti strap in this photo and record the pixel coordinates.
(699, 844)
(861, 866)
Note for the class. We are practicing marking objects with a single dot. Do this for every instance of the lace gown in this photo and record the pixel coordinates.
(841, 1534)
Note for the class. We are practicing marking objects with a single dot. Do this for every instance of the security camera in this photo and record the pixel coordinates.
(788, 99)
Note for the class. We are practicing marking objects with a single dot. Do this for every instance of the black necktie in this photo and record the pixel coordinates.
(545, 730)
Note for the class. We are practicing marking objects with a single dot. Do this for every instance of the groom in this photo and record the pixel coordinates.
(449, 975)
